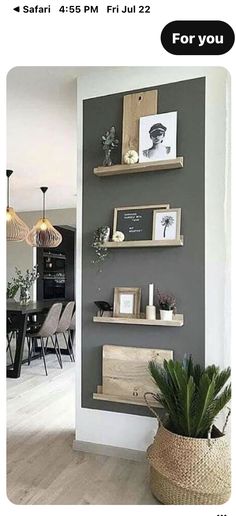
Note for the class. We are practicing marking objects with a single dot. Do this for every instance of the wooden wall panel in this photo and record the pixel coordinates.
(125, 369)
(135, 106)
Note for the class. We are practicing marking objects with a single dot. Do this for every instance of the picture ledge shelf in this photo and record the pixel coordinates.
(135, 400)
(153, 166)
(177, 321)
(144, 243)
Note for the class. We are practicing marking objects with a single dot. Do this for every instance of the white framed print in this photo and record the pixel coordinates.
(157, 137)
(127, 302)
(166, 224)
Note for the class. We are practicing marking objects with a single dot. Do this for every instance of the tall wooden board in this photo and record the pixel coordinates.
(135, 106)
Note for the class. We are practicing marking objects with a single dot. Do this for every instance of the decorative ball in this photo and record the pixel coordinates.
(118, 236)
(131, 157)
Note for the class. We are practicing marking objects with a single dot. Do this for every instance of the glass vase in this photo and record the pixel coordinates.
(24, 296)
(107, 161)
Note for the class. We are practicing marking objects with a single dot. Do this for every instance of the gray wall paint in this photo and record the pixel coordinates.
(179, 270)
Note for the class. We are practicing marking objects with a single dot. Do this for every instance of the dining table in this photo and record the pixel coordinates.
(21, 314)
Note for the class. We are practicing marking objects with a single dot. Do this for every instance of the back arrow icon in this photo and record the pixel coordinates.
(16, 9)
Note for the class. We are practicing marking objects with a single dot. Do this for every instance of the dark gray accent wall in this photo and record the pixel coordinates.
(179, 270)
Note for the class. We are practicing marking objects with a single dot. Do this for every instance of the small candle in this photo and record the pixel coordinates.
(151, 286)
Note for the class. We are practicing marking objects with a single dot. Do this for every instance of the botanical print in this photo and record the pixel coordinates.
(126, 303)
(166, 224)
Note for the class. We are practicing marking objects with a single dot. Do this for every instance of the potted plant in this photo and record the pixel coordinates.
(25, 282)
(166, 305)
(190, 457)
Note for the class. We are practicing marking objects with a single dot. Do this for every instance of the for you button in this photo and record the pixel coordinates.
(197, 37)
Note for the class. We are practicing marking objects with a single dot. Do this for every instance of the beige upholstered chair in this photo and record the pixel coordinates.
(64, 325)
(71, 332)
(47, 330)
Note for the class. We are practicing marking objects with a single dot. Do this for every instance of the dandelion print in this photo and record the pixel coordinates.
(166, 222)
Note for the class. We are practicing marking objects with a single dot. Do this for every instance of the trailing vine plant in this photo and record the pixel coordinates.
(99, 237)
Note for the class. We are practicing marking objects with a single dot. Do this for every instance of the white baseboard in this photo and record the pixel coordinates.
(111, 451)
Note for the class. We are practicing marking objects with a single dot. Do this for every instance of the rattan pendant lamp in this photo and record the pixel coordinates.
(16, 229)
(43, 234)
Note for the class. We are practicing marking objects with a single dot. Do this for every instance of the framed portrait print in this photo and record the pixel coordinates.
(166, 224)
(127, 302)
(157, 137)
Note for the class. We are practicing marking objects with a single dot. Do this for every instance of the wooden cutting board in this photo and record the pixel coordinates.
(135, 106)
(125, 370)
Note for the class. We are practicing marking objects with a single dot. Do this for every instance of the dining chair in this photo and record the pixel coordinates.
(71, 332)
(46, 331)
(64, 325)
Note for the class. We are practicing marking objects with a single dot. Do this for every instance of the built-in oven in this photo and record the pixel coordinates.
(54, 287)
(54, 263)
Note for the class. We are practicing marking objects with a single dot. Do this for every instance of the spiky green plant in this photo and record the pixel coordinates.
(191, 395)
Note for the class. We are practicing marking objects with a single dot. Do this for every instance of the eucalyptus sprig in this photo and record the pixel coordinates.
(12, 288)
(109, 140)
(27, 280)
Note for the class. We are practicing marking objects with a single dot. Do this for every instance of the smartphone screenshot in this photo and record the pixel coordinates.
(117, 230)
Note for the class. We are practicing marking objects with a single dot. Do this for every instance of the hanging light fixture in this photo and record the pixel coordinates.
(43, 234)
(16, 229)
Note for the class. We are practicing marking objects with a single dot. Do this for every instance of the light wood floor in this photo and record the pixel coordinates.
(42, 467)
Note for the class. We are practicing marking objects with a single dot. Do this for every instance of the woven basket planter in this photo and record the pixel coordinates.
(189, 471)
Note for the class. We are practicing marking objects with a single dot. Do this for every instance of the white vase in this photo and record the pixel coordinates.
(166, 315)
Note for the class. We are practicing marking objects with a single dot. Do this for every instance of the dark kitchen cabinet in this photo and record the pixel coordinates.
(56, 267)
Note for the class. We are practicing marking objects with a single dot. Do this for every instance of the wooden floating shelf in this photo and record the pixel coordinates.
(135, 400)
(154, 166)
(144, 243)
(177, 321)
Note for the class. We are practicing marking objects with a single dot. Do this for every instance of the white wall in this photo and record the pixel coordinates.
(41, 136)
(41, 149)
(135, 432)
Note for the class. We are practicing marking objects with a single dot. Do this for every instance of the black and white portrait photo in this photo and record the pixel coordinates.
(157, 137)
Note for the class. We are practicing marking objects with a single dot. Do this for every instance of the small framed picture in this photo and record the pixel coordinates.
(127, 301)
(157, 137)
(166, 224)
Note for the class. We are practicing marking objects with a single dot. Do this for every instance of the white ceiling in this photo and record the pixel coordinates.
(42, 136)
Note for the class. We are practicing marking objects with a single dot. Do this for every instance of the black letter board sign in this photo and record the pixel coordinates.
(136, 221)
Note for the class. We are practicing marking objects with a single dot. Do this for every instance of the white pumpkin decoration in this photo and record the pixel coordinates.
(118, 236)
(131, 157)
